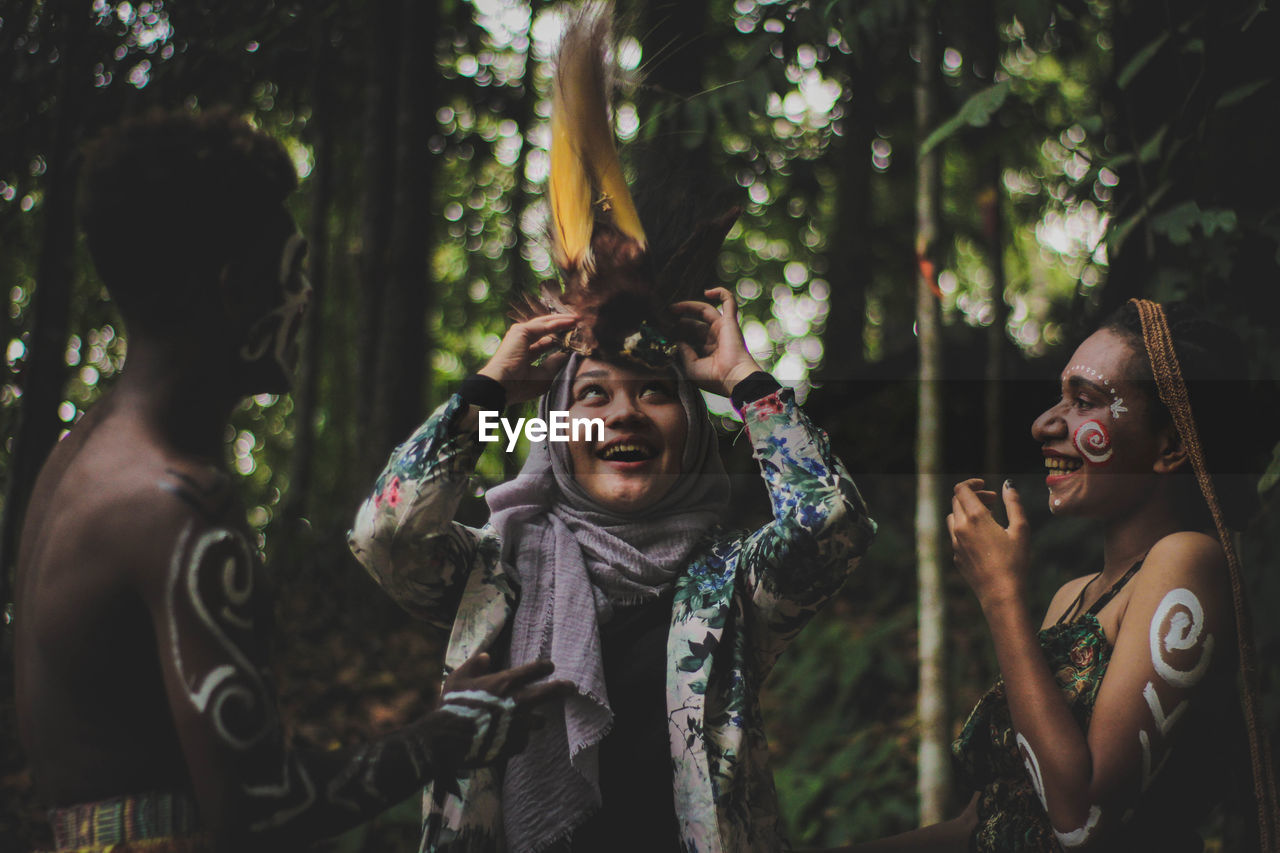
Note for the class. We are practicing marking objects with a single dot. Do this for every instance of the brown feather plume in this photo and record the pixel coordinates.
(597, 238)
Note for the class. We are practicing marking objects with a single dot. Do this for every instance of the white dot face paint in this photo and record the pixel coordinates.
(1032, 764)
(1185, 617)
(1093, 442)
(1117, 402)
(1080, 837)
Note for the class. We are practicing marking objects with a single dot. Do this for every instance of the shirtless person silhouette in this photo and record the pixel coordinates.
(145, 700)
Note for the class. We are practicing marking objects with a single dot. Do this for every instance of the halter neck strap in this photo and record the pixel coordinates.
(1072, 612)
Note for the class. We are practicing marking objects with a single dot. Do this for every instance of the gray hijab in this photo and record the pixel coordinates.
(575, 559)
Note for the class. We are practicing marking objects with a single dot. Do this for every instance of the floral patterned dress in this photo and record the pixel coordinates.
(736, 606)
(1011, 816)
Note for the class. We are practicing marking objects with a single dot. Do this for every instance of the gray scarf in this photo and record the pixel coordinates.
(575, 559)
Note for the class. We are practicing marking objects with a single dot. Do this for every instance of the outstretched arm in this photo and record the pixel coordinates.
(1163, 653)
(820, 526)
(209, 613)
(404, 533)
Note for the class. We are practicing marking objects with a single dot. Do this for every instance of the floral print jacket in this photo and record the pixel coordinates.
(736, 607)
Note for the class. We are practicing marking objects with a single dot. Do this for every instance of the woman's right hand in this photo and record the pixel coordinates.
(513, 367)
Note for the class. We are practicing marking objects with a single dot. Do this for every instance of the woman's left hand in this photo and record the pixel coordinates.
(992, 558)
(721, 360)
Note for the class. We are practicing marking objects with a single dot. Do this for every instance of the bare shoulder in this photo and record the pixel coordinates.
(1184, 566)
(150, 509)
(1182, 558)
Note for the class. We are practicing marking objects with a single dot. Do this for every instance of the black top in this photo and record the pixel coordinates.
(636, 779)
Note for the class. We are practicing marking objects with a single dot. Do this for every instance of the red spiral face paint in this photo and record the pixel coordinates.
(1093, 441)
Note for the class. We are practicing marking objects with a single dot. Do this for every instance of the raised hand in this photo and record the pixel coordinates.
(487, 716)
(992, 558)
(513, 365)
(720, 360)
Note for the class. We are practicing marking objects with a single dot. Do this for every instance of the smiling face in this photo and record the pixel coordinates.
(639, 457)
(1101, 450)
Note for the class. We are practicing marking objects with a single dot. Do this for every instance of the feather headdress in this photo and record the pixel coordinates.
(617, 283)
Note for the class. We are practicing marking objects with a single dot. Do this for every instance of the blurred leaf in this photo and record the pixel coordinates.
(1178, 222)
(1238, 94)
(1121, 229)
(1150, 149)
(1139, 61)
(976, 112)
(1272, 475)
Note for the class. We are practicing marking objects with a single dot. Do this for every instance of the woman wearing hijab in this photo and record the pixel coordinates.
(607, 555)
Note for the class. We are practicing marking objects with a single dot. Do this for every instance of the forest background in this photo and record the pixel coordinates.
(939, 200)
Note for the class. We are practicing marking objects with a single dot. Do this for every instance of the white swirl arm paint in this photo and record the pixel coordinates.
(1163, 663)
(211, 630)
(404, 532)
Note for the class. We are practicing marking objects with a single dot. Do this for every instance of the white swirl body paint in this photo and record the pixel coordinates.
(224, 554)
(1185, 627)
(1185, 617)
(1032, 764)
(237, 682)
(1080, 837)
(489, 714)
(1094, 442)
(1163, 723)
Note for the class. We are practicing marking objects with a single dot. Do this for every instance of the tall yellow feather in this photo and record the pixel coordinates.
(569, 187)
(584, 158)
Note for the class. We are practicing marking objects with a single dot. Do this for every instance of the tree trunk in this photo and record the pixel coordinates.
(993, 235)
(932, 781)
(850, 254)
(379, 163)
(403, 345)
(305, 391)
(46, 371)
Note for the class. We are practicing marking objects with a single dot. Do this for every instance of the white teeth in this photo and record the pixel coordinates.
(626, 447)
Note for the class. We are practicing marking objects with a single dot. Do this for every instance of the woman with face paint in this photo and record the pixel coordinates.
(1108, 728)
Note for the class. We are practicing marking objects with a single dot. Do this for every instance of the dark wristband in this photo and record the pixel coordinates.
(754, 387)
(483, 392)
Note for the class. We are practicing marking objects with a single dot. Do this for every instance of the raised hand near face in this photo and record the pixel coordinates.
(720, 359)
(487, 716)
(513, 365)
(992, 558)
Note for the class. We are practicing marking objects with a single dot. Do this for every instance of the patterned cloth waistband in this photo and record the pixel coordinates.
(135, 817)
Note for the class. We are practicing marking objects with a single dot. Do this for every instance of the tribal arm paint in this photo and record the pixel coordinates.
(221, 693)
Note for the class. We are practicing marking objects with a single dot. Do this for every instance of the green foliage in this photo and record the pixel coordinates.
(976, 112)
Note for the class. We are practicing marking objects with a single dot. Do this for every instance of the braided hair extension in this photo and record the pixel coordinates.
(1173, 393)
